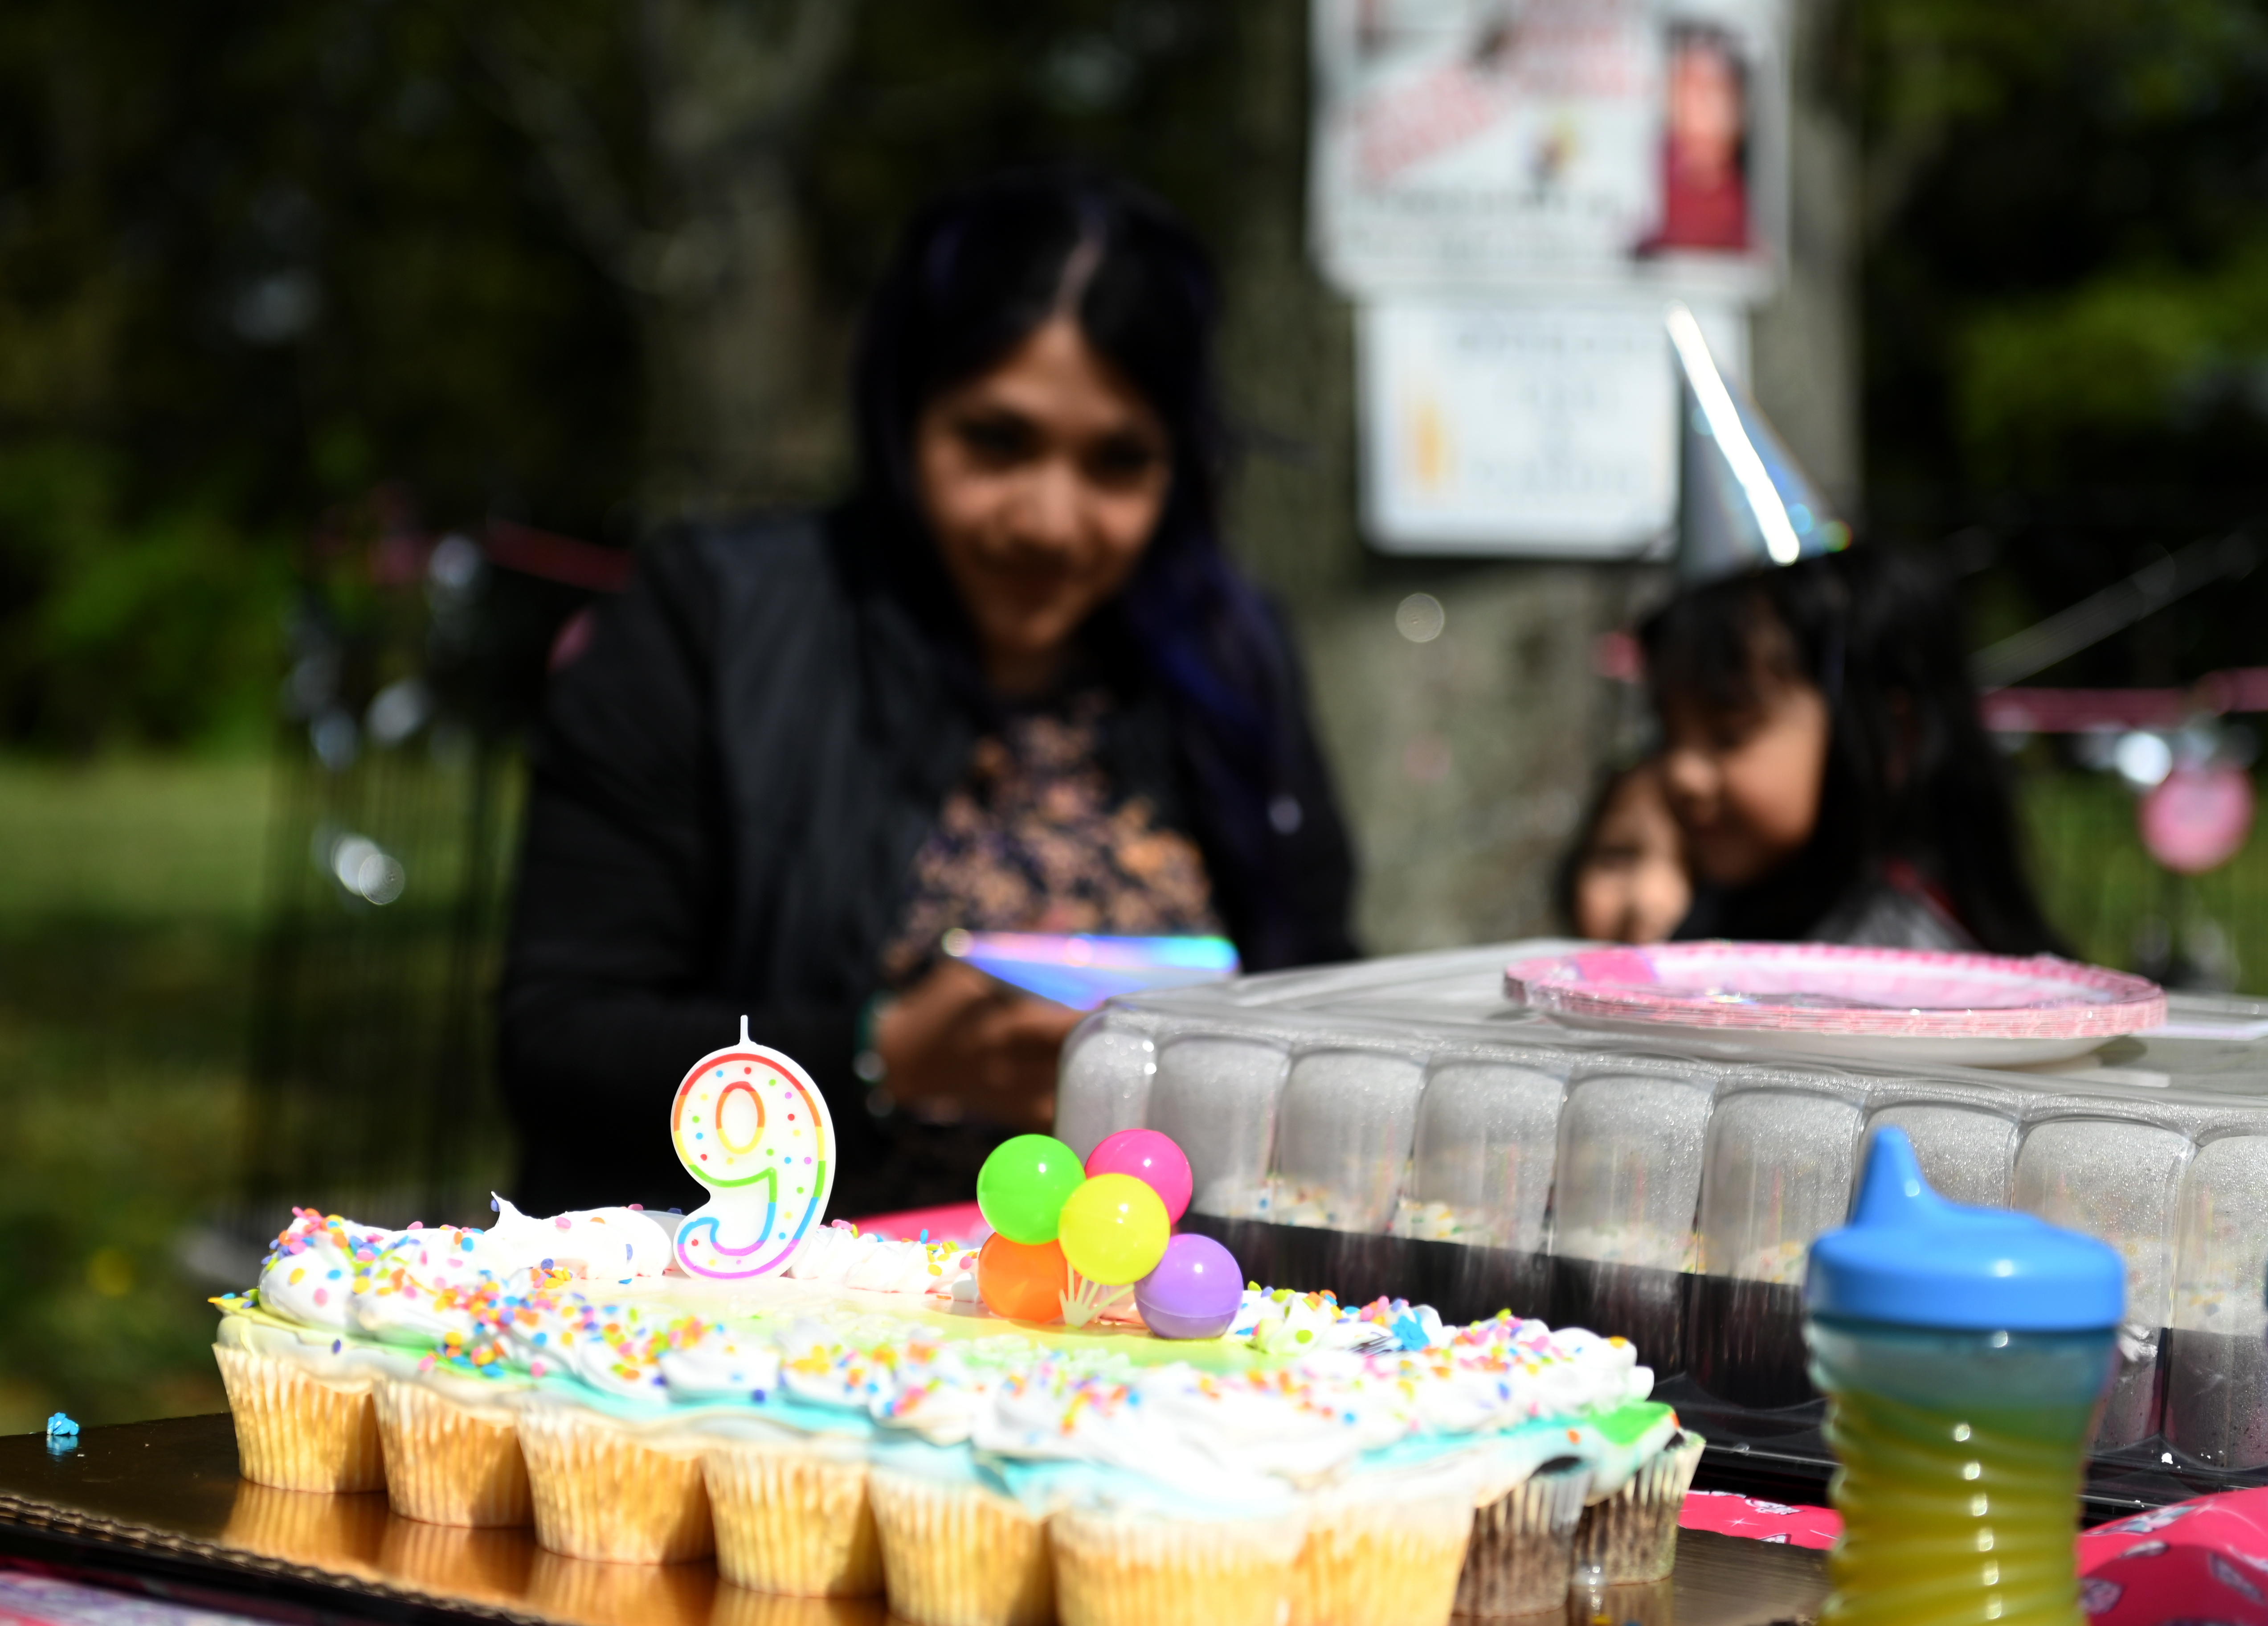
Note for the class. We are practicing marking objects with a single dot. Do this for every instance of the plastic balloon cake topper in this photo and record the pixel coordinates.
(750, 1126)
(1070, 1240)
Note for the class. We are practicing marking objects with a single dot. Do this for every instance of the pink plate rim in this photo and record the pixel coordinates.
(1613, 984)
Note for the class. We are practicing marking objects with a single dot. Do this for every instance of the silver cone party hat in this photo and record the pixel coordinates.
(1745, 504)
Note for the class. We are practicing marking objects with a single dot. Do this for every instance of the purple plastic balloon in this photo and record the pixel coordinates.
(1194, 1291)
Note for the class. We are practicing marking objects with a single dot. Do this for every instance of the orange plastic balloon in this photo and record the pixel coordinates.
(1022, 1280)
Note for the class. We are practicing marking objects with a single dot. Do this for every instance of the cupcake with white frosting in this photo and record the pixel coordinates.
(791, 1507)
(299, 1383)
(359, 1361)
(860, 1424)
(609, 1474)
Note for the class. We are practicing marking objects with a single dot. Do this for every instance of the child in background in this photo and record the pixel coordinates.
(1625, 880)
(1824, 758)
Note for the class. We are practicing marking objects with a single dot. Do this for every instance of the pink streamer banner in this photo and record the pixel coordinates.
(1777, 1522)
(2194, 1562)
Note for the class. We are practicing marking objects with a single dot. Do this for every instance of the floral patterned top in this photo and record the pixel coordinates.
(1036, 839)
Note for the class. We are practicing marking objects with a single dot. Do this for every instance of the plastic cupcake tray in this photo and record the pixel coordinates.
(1404, 1126)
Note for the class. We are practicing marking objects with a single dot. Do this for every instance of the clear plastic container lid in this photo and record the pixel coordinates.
(2115, 1180)
(1629, 1178)
(1103, 1083)
(1488, 1134)
(1342, 1133)
(1777, 1173)
(1967, 1151)
(1216, 1095)
(2223, 1247)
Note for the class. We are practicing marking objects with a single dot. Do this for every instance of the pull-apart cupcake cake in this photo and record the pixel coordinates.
(1090, 1419)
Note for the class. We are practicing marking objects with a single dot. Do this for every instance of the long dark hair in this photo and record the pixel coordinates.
(1910, 775)
(976, 273)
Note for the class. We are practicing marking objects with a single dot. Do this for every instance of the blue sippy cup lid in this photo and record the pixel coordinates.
(1909, 1258)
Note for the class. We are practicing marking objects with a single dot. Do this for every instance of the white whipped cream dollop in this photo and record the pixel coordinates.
(846, 1363)
(604, 1244)
(432, 1282)
(718, 1364)
(1363, 1381)
(309, 1275)
(838, 1254)
(616, 1347)
(433, 1285)
(1216, 1440)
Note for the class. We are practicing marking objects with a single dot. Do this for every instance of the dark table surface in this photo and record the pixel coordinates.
(159, 1506)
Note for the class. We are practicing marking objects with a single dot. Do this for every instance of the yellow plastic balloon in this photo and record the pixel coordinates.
(1113, 1230)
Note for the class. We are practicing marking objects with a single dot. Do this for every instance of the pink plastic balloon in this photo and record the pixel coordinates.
(1195, 1292)
(1151, 1157)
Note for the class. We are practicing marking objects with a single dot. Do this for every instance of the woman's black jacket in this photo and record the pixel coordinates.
(729, 789)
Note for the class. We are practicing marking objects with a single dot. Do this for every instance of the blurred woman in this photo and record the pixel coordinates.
(1013, 682)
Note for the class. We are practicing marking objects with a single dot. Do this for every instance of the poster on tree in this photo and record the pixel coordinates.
(1513, 191)
(1469, 144)
(1544, 427)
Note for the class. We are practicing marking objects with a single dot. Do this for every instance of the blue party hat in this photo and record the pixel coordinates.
(1745, 504)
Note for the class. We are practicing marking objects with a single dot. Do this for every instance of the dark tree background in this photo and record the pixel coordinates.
(2066, 302)
(588, 263)
(255, 259)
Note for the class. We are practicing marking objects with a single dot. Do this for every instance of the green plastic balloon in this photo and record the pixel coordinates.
(1022, 1186)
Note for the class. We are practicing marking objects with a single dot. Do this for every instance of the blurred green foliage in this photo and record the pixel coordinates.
(2065, 232)
(163, 629)
(251, 258)
(275, 252)
(2064, 229)
(2126, 356)
(255, 259)
(126, 967)
(2119, 907)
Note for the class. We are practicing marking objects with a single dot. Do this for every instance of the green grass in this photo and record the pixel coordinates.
(133, 903)
(128, 905)
(133, 843)
(2108, 896)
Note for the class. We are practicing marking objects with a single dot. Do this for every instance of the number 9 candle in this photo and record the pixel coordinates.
(750, 1126)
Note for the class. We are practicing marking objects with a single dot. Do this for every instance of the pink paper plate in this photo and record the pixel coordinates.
(1986, 1007)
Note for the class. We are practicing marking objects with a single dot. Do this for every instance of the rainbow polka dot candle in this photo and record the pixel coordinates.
(750, 1126)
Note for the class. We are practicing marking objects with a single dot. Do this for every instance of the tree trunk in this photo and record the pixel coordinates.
(703, 229)
(1804, 342)
(1288, 356)
(741, 399)
(1465, 760)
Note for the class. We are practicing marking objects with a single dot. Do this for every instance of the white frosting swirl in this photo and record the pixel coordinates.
(834, 1361)
(1219, 1440)
(617, 1349)
(1382, 1395)
(434, 1284)
(309, 1274)
(1260, 1437)
(838, 1254)
(604, 1244)
(716, 1363)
